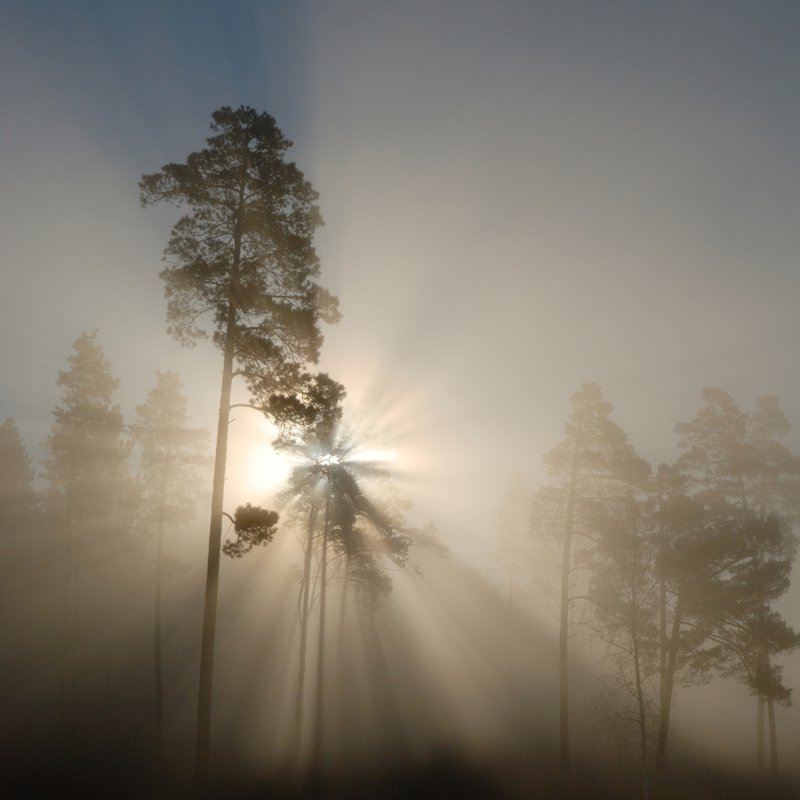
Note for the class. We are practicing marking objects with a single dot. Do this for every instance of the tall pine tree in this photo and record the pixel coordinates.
(18, 499)
(19, 513)
(171, 454)
(749, 481)
(242, 253)
(584, 466)
(89, 505)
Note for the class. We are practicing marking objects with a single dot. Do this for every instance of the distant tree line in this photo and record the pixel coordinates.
(676, 571)
(242, 256)
(87, 562)
(84, 562)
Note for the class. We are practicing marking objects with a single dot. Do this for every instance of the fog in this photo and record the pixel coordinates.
(517, 202)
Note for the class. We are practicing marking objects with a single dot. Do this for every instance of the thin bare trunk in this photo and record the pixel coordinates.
(637, 661)
(212, 574)
(773, 737)
(637, 672)
(760, 735)
(68, 727)
(318, 733)
(305, 595)
(767, 705)
(662, 616)
(157, 658)
(763, 659)
(637, 676)
(667, 684)
(343, 606)
(563, 688)
(203, 741)
(664, 699)
(343, 674)
(510, 642)
(565, 772)
(773, 731)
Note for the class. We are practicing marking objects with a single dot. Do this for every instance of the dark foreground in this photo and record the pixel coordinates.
(116, 773)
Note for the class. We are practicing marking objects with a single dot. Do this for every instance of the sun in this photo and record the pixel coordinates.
(256, 472)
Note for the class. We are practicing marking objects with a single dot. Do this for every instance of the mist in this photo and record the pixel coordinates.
(518, 203)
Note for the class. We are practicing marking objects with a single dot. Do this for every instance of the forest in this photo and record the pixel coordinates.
(324, 641)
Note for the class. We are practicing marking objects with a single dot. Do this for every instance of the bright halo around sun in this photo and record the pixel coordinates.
(256, 471)
(267, 470)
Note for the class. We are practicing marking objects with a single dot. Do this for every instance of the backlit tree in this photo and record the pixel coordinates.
(741, 470)
(243, 255)
(170, 457)
(584, 467)
(89, 502)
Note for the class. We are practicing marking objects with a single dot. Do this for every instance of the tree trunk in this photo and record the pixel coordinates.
(640, 704)
(510, 637)
(212, 574)
(637, 661)
(157, 659)
(768, 704)
(69, 642)
(773, 737)
(565, 771)
(666, 689)
(203, 741)
(664, 699)
(68, 670)
(760, 735)
(343, 606)
(318, 733)
(662, 623)
(763, 663)
(305, 591)
(344, 708)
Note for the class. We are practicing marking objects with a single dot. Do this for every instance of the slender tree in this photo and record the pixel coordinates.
(344, 528)
(689, 553)
(346, 536)
(714, 563)
(513, 551)
(18, 498)
(242, 253)
(89, 502)
(170, 457)
(623, 587)
(21, 556)
(307, 417)
(739, 466)
(341, 472)
(19, 507)
(776, 491)
(582, 465)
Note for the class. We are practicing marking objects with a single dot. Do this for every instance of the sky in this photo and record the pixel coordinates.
(516, 202)
(519, 197)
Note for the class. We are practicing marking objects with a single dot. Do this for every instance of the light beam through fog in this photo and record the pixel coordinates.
(564, 243)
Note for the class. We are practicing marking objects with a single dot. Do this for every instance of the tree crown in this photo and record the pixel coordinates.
(244, 250)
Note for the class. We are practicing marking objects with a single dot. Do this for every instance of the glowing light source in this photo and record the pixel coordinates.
(265, 471)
